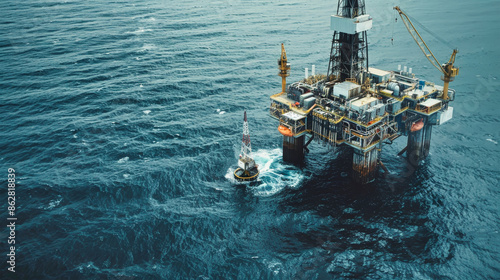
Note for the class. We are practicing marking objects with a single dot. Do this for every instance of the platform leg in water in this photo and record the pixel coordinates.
(293, 149)
(364, 165)
(419, 143)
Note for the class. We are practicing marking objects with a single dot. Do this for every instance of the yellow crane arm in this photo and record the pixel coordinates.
(420, 42)
(449, 71)
(452, 58)
(284, 68)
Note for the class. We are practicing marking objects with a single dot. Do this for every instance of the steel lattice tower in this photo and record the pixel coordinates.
(349, 52)
(247, 170)
(246, 146)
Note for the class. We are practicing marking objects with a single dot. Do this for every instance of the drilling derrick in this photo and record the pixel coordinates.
(247, 169)
(361, 107)
(246, 145)
(349, 52)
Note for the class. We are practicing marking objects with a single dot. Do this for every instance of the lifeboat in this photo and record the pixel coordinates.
(417, 126)
(285, 131)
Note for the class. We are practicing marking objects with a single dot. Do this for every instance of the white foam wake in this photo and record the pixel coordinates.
(274, 174)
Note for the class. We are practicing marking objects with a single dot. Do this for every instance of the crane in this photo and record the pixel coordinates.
(449, 71)
(284, 68)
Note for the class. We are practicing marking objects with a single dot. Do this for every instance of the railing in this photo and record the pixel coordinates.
(276, 111)
(428, 110)
(295, 129)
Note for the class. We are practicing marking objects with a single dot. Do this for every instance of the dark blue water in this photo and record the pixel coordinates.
(122, 120)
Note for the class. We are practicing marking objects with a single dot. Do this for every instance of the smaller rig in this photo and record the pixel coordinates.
(247, 169)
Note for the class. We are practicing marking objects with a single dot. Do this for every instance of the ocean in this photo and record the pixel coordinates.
(122, 123)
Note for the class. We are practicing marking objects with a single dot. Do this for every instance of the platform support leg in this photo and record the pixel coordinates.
(364, 165)
(293, 149)
(419, 143)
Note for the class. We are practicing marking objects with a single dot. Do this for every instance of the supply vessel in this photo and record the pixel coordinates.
(358, 107)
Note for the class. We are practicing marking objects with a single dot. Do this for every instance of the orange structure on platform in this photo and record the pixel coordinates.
(285, 131)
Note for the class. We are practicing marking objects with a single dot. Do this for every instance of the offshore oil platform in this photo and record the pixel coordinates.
(360, 107)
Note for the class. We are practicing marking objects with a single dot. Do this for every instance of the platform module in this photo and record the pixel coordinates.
(358, 106)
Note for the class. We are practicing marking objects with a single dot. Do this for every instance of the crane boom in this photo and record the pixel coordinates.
(284, 68)
(448, 70)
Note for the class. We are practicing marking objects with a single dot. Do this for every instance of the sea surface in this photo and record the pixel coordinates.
(123, 121)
